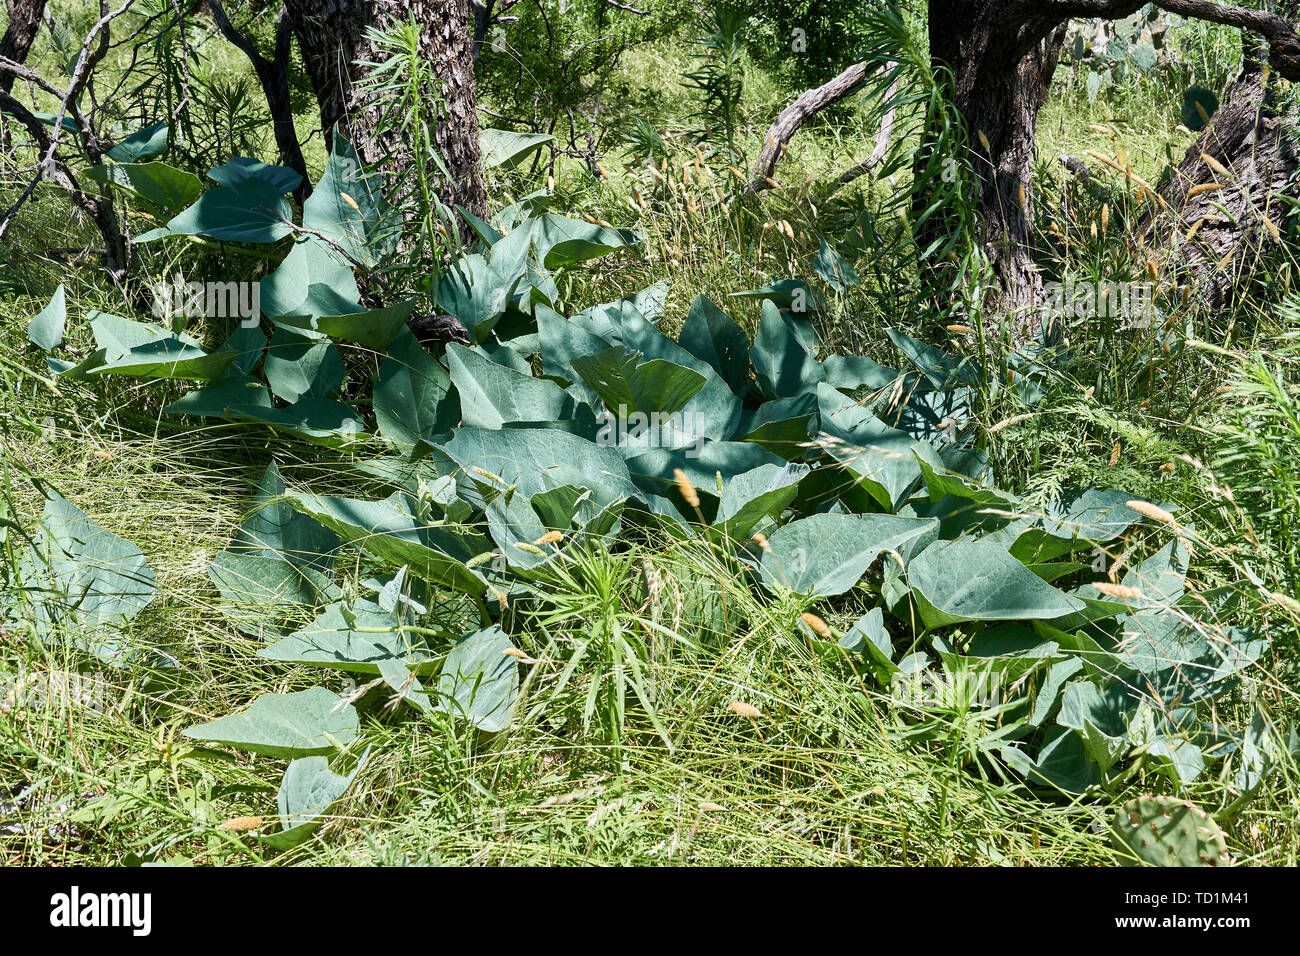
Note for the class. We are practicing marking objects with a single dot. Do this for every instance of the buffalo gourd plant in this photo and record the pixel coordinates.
(550, 437)
(78, 579)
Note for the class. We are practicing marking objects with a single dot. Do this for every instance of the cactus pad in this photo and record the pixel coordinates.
(1166, 831)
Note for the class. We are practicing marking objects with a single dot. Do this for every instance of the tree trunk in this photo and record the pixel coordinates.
(331, 35)
(999, 82)
(24, 23)
(1248, 139)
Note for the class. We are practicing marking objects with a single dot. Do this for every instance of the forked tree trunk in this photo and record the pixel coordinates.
(331, 35)
(999, 84)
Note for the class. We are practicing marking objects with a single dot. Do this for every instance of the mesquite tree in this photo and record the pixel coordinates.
(1001, 55)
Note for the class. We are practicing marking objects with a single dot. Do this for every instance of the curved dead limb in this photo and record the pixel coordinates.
(795, 115)
(881, 146)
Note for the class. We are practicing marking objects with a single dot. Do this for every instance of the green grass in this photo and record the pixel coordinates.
(831, 772)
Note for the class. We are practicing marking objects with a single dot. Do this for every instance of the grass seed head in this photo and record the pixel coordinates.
(818, 626)
(686, 488)
(241, 824)
(1117, 590)
(1217, 166)
(1148, 510)
(1286, 601)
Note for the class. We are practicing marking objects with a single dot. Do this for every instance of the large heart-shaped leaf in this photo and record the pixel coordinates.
(713, 413)
(307, 792)
(141, 146)
(347, 206)
(1062, 764)
(318, 420)
(391, 531)
(836, 271)
(626, 385)
(561, 342)
(781, 362)
(479, 680)
(125, 347)
(782, 426)
(826, 554)
(492, 395)
(165, 186)
(254, 176)
(971, 579)
(561, 241)
(851, 372)
(298, 367)
(354, 637)
(300, 724)
(260, 590)
(249, 206)
(216, 399)
(83, 580)
(478, 292)
(374, 329)
(534, 460)
(764, 492)
(881, 459)
(506, 148)
(313, 279)
(1100, 718)
(275, 529)
(712, 335)
(46, 328)
(413, 400)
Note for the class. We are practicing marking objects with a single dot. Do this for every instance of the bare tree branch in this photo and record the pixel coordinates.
(619, 6)
(883, 135)
(796, 114)
(100, 208)
(274, 77)
(24, 22)
(1283, 42)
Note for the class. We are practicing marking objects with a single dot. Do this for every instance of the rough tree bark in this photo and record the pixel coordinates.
(1248, 138)
(1001, 54)
(331, 35)
(999, 81)
(24, 23)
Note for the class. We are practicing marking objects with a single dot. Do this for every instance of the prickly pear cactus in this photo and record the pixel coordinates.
(1166, 831)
